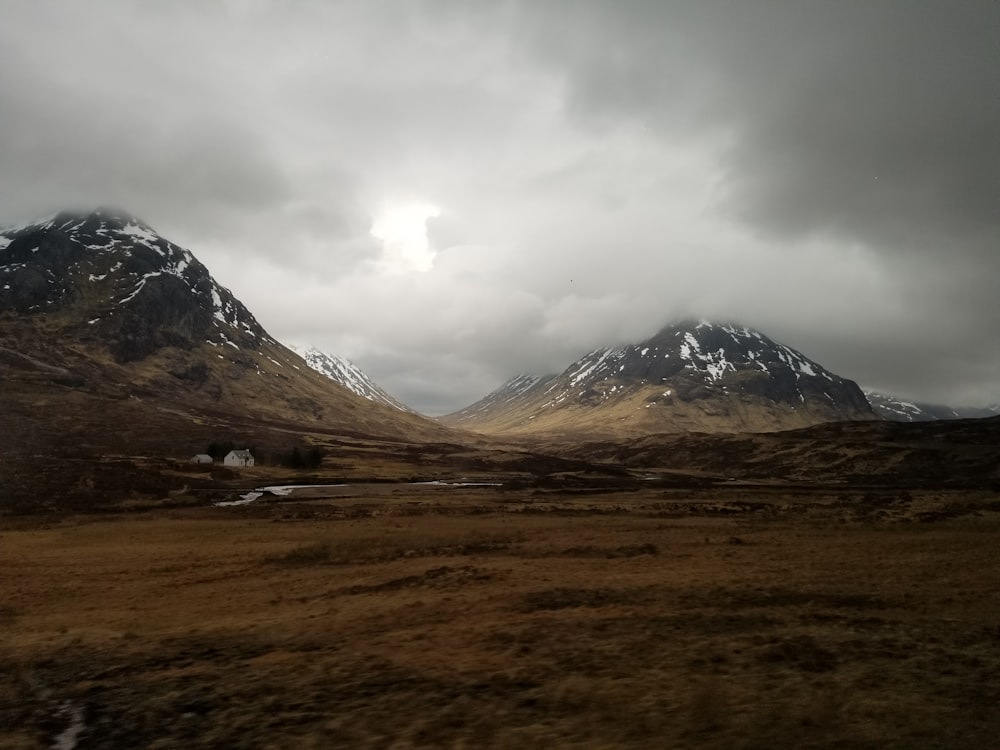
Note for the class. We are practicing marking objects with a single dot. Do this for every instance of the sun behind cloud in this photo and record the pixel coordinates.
(402, 230)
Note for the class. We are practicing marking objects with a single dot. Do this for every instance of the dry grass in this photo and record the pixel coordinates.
(448, 539)
(429, 624)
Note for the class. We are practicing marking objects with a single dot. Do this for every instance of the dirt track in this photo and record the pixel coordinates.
(484, 619)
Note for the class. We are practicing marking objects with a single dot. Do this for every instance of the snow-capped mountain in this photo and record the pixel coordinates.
(693, 375)
(100, 301)
(140, 291)
(341, 370)
(896, 409)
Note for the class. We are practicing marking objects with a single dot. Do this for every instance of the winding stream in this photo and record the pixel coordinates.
(340, 490)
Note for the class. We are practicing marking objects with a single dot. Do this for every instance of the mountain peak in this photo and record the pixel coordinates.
(693, 374)
(120, 278)
(87, 221)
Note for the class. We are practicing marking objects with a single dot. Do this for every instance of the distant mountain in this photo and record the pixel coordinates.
(899, 410)
(341, 370)
(691, 376)
(115, 340)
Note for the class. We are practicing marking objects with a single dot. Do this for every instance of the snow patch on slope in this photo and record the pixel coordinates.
(341, 370)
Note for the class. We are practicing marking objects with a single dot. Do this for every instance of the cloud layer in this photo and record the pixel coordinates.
(826, 172)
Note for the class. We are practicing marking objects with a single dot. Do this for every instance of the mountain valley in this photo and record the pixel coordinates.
(122, 356)
(705, 540)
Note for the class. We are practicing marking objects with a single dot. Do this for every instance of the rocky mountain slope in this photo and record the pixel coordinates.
(136, 292)
(114, 339)
(341, 370)
(690, 376)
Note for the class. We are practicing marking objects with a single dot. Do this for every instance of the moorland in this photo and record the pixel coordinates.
(606, 597)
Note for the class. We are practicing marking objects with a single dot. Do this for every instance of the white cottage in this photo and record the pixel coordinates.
(238, 458)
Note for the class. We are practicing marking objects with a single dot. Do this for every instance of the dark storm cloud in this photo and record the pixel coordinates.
(869, 120)
(114, 138)
(889, 134)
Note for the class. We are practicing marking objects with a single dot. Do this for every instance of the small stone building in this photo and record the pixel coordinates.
(201, 458)
(238, 458)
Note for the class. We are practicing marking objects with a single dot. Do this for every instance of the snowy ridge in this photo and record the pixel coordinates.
(601, 360)
(895, 409)
(702, 349)
(521, 383)
(745, 346)
(341, 370)
(509, 394)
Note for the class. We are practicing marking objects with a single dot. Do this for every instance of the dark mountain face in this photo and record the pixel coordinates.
(690, 375)
(702, 357)
(133, 289)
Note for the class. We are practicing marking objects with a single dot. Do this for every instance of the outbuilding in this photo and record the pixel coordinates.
(238, 458)
(201, 458)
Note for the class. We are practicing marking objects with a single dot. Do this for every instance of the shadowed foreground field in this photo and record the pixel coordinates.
(478, 621)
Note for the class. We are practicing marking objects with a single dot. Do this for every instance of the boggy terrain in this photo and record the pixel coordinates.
(730, 616)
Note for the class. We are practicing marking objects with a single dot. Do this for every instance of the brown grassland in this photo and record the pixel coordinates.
(491, 618)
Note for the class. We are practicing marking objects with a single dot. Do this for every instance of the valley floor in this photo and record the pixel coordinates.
(487, 619)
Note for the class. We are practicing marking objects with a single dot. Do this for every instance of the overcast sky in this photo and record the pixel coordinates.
(449, 192)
